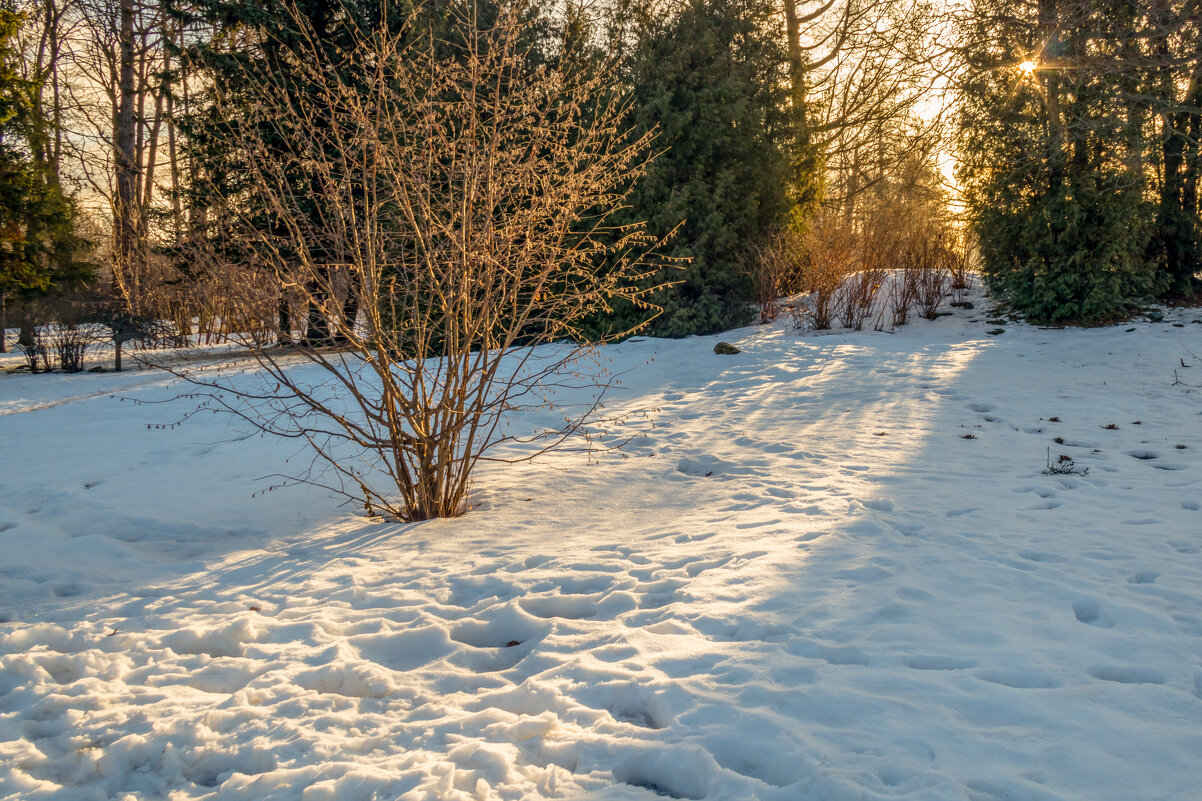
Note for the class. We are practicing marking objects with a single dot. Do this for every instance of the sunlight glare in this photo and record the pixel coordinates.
(1028, 67)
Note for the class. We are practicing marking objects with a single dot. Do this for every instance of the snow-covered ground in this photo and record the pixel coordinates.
(804, 583)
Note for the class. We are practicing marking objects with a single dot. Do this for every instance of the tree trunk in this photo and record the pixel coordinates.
(805, 157)
(796, 61)
(27, 334)
(1192, 164)
(1049, 28)
(1176, 220)
(317, 325)
(125, 227)
(57, 111)
(3, 323)
(177, 227)
(284, 327)
(350, 312)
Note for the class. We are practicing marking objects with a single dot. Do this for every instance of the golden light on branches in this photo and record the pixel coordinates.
(469, 204)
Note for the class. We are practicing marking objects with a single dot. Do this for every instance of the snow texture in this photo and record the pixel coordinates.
(802, 582)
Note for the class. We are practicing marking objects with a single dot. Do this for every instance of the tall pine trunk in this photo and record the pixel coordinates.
(1049, 29)
(1178, 212)
(125, 210)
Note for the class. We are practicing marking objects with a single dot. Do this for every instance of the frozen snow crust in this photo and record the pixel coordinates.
(804, 583)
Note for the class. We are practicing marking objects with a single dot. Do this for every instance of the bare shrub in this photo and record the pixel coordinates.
(37, 354)
(776, 271)
(467, 204)
(856, 296)
(1063, 466)
(903, 294)
(830, 254)
(959, 268)
(928, 260)
(932, 289)
(70, 342)
(125, 327)
(879, 249)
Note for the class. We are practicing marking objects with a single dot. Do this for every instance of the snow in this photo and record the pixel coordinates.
(802, 582)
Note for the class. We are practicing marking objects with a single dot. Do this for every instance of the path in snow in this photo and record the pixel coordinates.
(803, 583)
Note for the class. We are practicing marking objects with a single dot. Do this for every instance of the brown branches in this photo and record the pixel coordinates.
(777, 271)
(465, 204)
(832, 252)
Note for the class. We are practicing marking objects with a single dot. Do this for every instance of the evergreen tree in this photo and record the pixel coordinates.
(40, 251)
(712, 78)
(1171, 72)
(1061, 111)
(244, 46)
(247, 45)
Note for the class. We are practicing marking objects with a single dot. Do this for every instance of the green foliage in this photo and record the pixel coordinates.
(273, 37)
(39, 247)
(711, 78)
(1075, 255)
(1060, 163)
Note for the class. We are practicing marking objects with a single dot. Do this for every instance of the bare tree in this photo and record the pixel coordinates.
(869, 76)
(109, 73)
(467, 201)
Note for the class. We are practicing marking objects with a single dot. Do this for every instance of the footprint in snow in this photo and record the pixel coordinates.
(1127, 674)
(683, 538)
(1020, 679)
(869, 574)
(939, 663)
(600, 606)
(665, 776)
(404, 650)
(702, 466)
(1039, 556)
(636, 704)
(1089, 612)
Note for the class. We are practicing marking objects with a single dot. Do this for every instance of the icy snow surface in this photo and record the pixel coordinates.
(804, 583)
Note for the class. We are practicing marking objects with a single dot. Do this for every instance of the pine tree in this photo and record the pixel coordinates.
(246, 43)
(712, 79)
(1062, 110)
(40, 251)
(250, 42)
(1172, 77)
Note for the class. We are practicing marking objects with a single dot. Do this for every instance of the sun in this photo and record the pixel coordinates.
(1028, 67)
